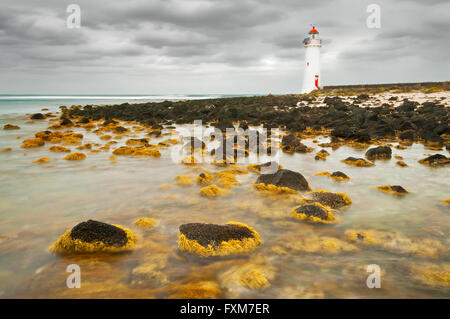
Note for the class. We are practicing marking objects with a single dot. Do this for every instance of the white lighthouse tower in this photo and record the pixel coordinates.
(311, 80)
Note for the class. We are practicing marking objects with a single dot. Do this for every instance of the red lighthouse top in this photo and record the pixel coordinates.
(313, 30)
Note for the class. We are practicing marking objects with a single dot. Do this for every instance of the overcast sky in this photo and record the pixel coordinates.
(216, 46)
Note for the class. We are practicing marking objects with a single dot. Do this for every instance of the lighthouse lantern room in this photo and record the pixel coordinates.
(312, 44)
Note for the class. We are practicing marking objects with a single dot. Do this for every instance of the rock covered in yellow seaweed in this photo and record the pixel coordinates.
(57, 148)
(42, 160)
(226, 179)
(198, 290)
(259, 168)
(333, 200)
(11, 127)
(379, 152)
(284, 178)
(94, 236)
(393, 189)
(204, 179)
(184, 180)
(137, 151)
(359, 162)
(33, 142)
(75, 156)
(401, 164)
(314, 212)
(432, 275)
(255, 275)
(217, 240)
(145, 223)
(211, 191)
(435, 160)
(397, 242)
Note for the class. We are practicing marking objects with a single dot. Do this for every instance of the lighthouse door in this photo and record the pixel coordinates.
(316, 82)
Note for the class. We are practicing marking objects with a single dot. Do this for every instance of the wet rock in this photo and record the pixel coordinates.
(75, 156)
(302, 148)
(94, 231)
(435, 160)
(447, 147)
(401, 164)
(333, 200)
(211, 191)
(338, 175)
(359, 162)
(380, 152)
(37, 116)
(393, 189)
(290, 142)
(260, 168)
(84, 120)
(408, 135)
(11, 127)
(312, 211)
(94, 236)
(109, 122)
(33, 142)
(66, 121)
(217, 240)
(285, 178)
(145, 223)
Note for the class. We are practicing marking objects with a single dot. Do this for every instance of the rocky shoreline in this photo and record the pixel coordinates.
(363, 118)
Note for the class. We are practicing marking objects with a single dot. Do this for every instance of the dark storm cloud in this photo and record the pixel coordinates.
(240, 45)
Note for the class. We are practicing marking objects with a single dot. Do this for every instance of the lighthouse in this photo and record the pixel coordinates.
(312, 44)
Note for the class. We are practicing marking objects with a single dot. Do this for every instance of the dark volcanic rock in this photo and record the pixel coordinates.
(339, 174)
(380, 152)
(267, 166)
(408, 136)
(66, 122)
(435, 160)
(37, 116)
(94, 231)
(302, 148)
(212, 234)
(107, 122)
(431, 136)
(84, 120)
(332, 200)
(285, 178)
(399, 189)
(312, 211)
(290, 142)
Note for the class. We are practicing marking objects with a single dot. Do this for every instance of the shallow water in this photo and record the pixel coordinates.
(40, 201)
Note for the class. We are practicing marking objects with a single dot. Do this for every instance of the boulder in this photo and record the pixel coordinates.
(37, 116)
(333, 200)
(435, 160)
(285, 178)
(379, 152)
(217, 240)
(94, 236)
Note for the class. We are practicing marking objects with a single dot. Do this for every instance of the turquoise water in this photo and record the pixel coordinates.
(38, 202)
(19, 104)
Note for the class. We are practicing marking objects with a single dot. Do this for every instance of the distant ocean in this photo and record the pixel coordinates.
(20, 104)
